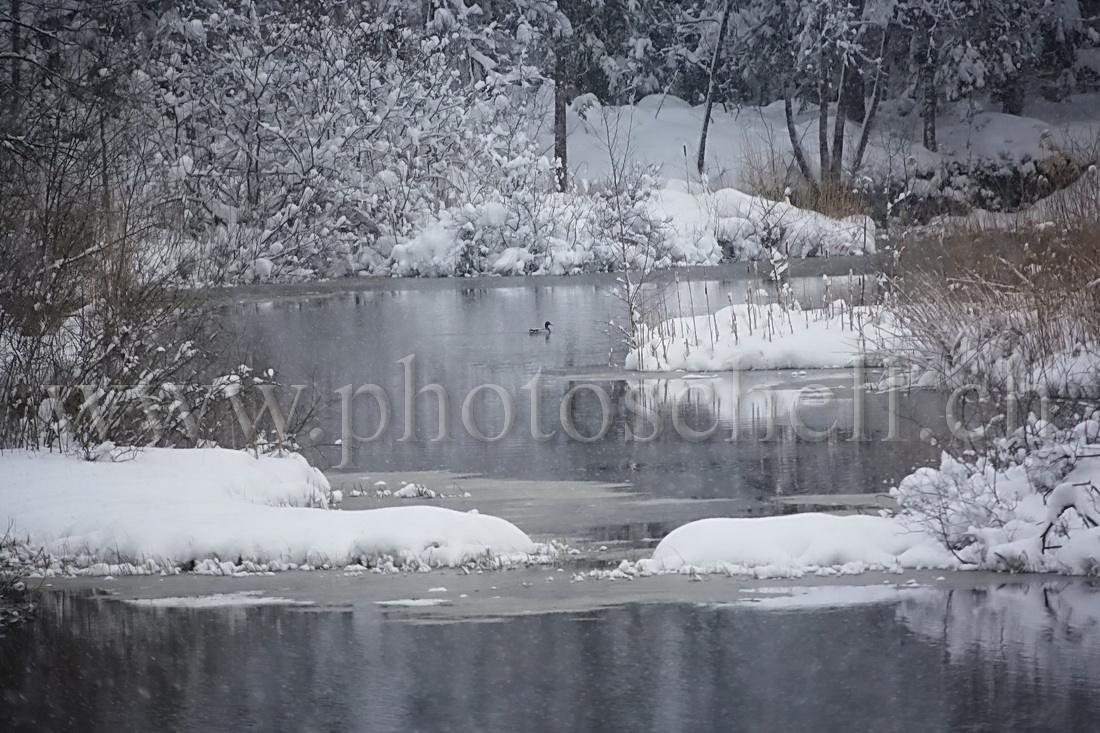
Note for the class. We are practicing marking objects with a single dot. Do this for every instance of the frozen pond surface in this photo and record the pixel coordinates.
(1007, 657)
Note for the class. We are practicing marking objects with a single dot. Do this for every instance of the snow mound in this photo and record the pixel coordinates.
(225, 512)
(747, 227)
(791, 546)
(768, 336)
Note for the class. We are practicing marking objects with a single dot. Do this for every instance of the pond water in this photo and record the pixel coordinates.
(997, 658)
(1011, 657)
(463, 334)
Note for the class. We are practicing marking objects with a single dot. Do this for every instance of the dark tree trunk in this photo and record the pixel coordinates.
(837, 154)
(926, 80)
(876, 97)
(854, 89)
(16, 49)
(852, 99)
(796, 145)
(1011, 95)
(712, 86)
(928, 110)
(823, 117)
(561, 148)
(104, 170)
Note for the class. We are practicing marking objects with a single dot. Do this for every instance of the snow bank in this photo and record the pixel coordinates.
(769, 336)
(791, 546)
(569, 233)
(746, 227)
(1041, 514)
(226, 511)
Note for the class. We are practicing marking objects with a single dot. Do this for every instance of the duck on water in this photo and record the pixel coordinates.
(539, 331)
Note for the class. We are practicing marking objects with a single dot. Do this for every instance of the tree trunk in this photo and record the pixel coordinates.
(837, 154)
(1011, 95)
(712, 86)
(104, 171)
(926, 81)
(876, 97)
(796, 145)
(853, 89)
(16, 49)
(823, 117)
(561, 148)
(853, 93)
(928, 112)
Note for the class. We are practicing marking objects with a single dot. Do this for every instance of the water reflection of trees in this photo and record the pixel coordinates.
(1010, 657)
(1038, 644)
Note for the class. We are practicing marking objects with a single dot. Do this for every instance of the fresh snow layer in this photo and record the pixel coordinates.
(707, 222)
(791, 546)
(226, 510)
(751, 142)
(769, 336)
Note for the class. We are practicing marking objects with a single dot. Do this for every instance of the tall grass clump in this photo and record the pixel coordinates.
(15, 601)
(1009, 312)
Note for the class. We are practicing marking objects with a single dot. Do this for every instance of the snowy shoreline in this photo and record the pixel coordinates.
(226, 512)
(523, 591)
(833, 266)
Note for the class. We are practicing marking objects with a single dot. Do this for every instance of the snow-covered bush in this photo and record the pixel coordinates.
(15, 604)
(527, 229)
(950, 501)
(733, 225)
(1015, 509)
(65, 380)
(308, 145)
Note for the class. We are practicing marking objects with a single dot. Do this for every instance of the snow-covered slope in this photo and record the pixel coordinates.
(743, 143)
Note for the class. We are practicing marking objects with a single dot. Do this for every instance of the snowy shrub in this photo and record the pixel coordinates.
(86, 311)
(306, 145)
(626, 233)
(1028, 510)
(950, 501)
(15, 563)
(506, 228)
(1009, 314)
(526, 229)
